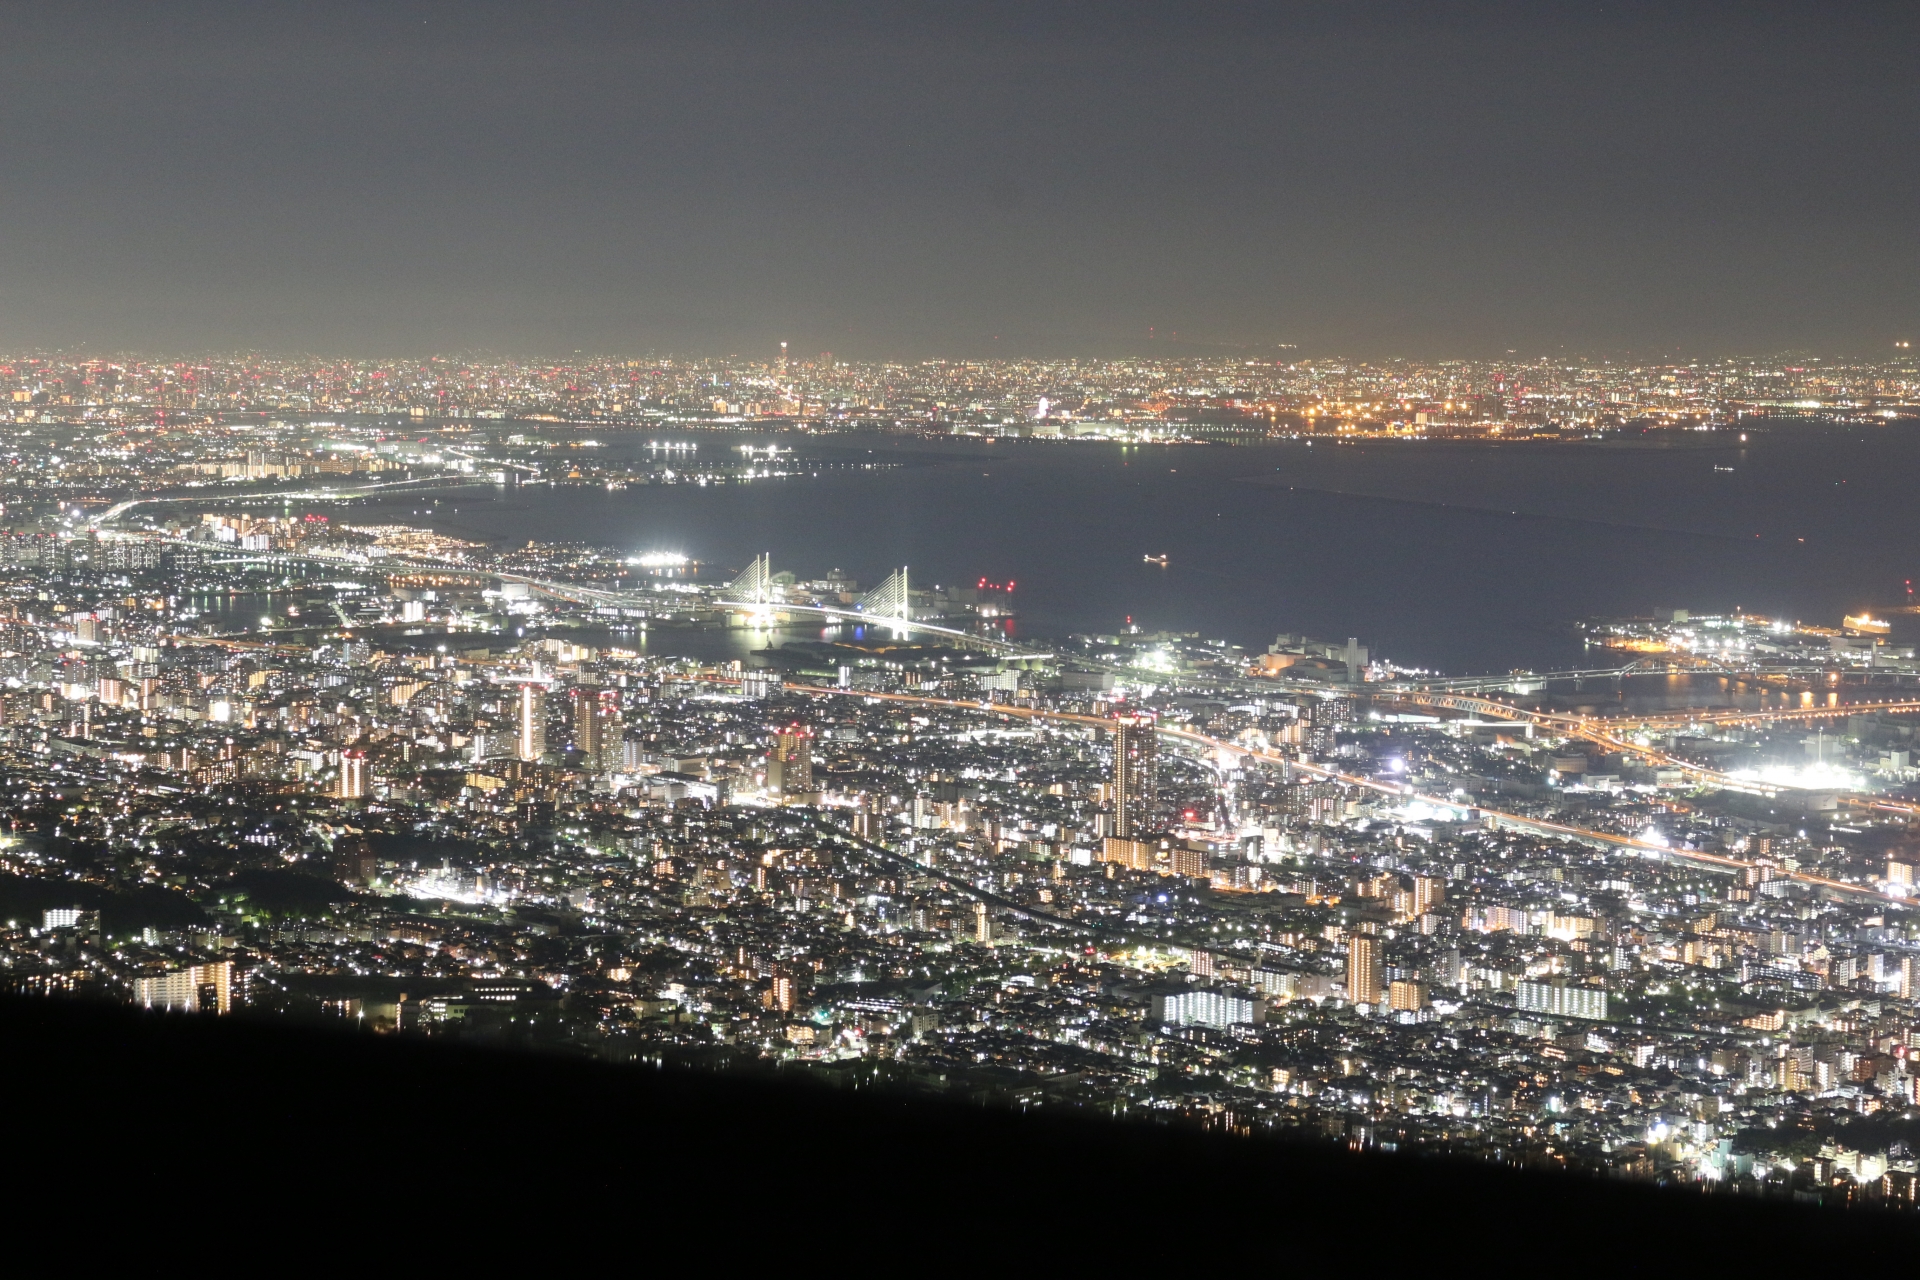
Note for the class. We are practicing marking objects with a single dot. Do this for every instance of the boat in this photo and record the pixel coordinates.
(1866, 623)
(1160, 560)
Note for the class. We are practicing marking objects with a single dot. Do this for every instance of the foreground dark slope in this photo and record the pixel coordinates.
(297, 1117)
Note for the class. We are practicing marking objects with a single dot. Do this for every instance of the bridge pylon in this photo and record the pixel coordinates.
(754, 585)
(891, 599)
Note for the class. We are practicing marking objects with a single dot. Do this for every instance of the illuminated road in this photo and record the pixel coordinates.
(1235, 751)
(326, 494)
(1831, 711)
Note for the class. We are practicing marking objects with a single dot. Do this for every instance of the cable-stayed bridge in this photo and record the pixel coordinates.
(888, 606)
(891, 599)
(752, 591)
(754, 585)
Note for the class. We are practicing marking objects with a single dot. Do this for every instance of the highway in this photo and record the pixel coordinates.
(1736, 717)
(323, 494)
(1672, 664)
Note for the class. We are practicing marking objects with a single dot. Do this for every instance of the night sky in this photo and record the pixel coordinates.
(903, 180)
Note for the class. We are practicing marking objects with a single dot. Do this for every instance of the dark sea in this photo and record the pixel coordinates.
(1460, 558)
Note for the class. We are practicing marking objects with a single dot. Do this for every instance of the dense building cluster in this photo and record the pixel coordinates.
(1136, 875)
(271, 753)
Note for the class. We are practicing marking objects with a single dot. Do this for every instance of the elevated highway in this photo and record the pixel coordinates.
(321, 493)
(1538, 681)
(1534, 681)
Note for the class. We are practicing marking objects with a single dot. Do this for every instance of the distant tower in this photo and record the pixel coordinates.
(533, 722)
(1356, 658)
(1135, 776)
(783, 357)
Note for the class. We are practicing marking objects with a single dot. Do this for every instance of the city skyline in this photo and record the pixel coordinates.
(1228, 399)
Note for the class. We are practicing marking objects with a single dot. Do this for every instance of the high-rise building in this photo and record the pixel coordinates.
(1406, 994)
(790, 763)
(1428, 892)
(1135, 775)
(533, 722)
(982, 924)
(1195, 864)
(353, 775)
(1325, 718)
(588, 723)
(1366, 968)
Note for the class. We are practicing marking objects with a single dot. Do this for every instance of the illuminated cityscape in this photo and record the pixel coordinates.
(268, 758)
(865, 628)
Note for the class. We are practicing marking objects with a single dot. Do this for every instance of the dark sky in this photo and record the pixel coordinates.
(959, 179)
